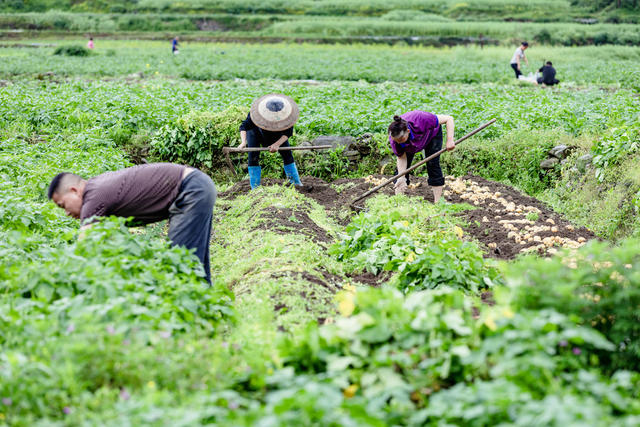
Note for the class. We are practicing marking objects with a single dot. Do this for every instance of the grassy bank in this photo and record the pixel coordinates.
(392, 28)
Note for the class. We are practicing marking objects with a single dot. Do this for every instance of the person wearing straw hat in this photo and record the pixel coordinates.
(270, 124)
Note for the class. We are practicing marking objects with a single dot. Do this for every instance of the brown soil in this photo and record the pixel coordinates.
(504, 221)
(507, 222)
(370, 279)
(284, 221)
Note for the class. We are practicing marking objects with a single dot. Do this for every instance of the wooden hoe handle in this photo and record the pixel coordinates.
(249, 149)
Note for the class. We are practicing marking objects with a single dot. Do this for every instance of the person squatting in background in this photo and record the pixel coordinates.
(548, 75)
(270, 124)
(90, 44)
(518, 56)
(148, 193)
(416, 131)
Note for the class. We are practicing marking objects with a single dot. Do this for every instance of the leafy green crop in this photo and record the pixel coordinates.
(411, 356)
(600, 286)
(416, 240)
(616, 143)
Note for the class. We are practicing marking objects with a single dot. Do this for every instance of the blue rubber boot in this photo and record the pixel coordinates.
(292, 173)
(254, 176)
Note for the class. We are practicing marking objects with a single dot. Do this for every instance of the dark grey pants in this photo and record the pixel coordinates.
(190, 216)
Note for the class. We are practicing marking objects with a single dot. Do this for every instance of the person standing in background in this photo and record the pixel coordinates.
(90, 43)
(174, 45)
(517, 58)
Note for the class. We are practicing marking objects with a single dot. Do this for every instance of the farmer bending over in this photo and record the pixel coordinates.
(517, 58)
(413, 132)
(149, 193)
(270, 124)
(548, 75)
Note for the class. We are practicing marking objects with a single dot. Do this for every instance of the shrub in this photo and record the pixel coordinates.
(72, 51)
(513, 159)
(154, 284)
(197, 138)
(617, 143)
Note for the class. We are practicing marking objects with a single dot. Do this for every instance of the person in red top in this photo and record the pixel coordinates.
(148, 193)
(416, 131)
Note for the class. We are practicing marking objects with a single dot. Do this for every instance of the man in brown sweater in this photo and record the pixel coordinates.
(148, 193)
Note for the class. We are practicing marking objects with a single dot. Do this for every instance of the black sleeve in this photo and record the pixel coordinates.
(288, 132)
(247, 124)
(541, 68)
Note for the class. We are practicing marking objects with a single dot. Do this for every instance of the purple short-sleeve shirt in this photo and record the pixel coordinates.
(424, 127)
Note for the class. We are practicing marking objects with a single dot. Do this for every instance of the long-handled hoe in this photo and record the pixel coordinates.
(227, 150)
(417, 165)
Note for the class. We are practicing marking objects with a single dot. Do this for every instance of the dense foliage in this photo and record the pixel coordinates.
(426, 358)
(614, 66)
(197, 138)
(502, 9)
(419, 242)
(599, 285)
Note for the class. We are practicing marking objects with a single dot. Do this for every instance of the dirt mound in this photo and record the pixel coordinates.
(508, 222)
(505, 221)
(284, 221)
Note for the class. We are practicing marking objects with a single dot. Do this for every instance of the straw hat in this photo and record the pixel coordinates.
(274, 112)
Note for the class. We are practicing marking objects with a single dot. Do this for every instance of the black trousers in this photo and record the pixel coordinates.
(515, 68)
(555, 82)
(436, 178)
(256, 139)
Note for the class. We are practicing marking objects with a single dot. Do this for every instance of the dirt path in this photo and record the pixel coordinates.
(505, 221)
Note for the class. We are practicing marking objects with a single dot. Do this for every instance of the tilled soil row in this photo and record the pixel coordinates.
(504, 221)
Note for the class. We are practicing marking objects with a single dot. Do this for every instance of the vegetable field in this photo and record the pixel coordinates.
(515, 303)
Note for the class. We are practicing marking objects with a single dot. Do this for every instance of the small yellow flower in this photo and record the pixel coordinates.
(151, 385)
(490, 322)
(507, 313)
(405, 223)
(346, 306)
(411, 257)
(350, 391)
(148, 65)
(458, 231)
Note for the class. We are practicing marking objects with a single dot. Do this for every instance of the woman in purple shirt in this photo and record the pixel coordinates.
(413, 132)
